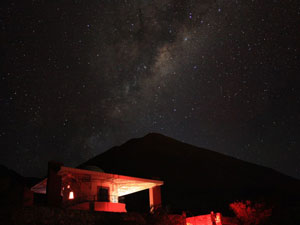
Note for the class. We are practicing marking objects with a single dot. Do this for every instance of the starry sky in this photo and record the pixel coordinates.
(78, 77)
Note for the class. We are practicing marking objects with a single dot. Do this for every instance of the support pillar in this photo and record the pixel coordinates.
(154, 198)
(54, 183)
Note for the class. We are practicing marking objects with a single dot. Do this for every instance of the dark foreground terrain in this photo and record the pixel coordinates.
(56, 216)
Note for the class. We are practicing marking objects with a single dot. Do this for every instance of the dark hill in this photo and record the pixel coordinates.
(11, 189)
(195, 179)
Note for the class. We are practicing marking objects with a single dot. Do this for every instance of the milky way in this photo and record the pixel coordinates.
(82, 76)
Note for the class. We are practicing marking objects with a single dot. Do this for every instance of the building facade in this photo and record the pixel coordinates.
(93, 190)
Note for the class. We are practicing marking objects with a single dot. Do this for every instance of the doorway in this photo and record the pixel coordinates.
(103, 194)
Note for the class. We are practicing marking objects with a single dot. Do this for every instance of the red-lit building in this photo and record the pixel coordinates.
(92, 189)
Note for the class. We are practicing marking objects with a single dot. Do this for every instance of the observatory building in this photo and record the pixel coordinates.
(92, 189)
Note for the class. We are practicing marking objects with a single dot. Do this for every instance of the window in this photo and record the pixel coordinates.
(71, 195)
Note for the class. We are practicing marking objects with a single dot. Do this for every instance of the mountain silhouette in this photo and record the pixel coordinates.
(195, 179)
(11, 189)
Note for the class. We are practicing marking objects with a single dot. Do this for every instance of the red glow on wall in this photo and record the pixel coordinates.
(71, 195)
(101, 206)
(209, 219)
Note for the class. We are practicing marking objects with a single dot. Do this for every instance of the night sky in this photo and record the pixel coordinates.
(78, 77)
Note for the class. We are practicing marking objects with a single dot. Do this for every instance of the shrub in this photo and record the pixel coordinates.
(249, 213)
